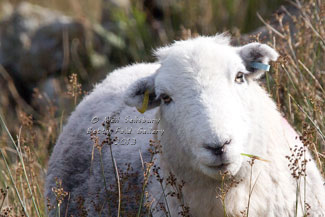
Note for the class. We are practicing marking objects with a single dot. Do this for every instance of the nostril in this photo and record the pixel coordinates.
(219, 150)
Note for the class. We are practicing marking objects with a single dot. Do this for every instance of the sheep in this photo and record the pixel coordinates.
(203, 103)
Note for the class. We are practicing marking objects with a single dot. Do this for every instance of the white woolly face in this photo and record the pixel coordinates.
(205, 107)
(208, 106)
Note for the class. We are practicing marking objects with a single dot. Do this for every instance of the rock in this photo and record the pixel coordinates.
(37, 43)
(285, 13)
(18, 28)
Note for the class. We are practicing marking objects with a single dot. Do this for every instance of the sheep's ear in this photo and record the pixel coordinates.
(256, 57)
(141, 94)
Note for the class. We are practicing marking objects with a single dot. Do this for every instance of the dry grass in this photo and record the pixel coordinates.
(296, 83)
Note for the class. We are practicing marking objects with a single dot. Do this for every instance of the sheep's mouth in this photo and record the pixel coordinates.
(220, 167)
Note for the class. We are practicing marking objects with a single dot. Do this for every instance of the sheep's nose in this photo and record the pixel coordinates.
(217, 148)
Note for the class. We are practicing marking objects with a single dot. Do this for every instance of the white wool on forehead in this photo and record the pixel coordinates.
(222, 39)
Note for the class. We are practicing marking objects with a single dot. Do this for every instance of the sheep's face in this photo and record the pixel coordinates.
(203, 88)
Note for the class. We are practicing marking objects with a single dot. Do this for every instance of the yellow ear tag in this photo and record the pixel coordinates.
(144, 103)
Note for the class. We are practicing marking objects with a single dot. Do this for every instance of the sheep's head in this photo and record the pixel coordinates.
(203, 88)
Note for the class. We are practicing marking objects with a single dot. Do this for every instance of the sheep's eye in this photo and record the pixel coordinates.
(239, 78)
(166, 98)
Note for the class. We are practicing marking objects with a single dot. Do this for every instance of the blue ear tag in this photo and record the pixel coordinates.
(260, 66)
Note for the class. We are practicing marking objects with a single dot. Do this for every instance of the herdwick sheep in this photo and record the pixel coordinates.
(206, 109)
